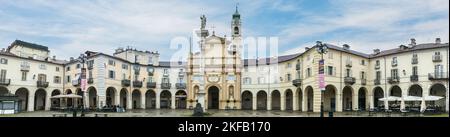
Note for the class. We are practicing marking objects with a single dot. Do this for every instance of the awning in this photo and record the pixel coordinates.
(67, 96)
(391, 98)
(412, 98)
(433, 98)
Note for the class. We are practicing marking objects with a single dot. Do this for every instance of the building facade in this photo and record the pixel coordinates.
(137, 79)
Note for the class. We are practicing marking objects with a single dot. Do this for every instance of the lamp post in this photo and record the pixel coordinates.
(321, 49)
(82, 58)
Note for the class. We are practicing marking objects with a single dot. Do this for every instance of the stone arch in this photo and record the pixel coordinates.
(362, 99)
(377, 94)
(165, 99)
(299, 99)
(23, 95)
(181, 99)
(309, 93)
(347, 98)
(289, 99)
(329, 102)
(247, 100)
(136, 99)
(150, 99)
(40, 99)
(440, 90)
(92, 97)
(111, 96)
(276, 100)
(123, 96)
(55, 102)
(261, 100)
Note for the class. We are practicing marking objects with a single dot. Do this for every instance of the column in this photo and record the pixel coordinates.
(446, 99)
(304, 102)
(269, 102)
(339, 101)
(157, 94)
(47, 102)
(355, 102)
(295, 100)
(101, 101)
(86, 99)
(254, 105)
(30, 101)
(402, 103)
(129, 101)
(282, 102)
(143, 101)
(172, 100)
(117, 98)
(371, 102)
(423, 103)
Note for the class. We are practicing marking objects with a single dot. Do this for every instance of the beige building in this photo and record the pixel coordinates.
(139, 80)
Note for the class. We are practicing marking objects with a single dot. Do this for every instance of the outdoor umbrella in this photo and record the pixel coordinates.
(390, 98)
(412, 98)
(433, 98)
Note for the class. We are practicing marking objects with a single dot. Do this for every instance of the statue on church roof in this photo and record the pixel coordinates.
(203, 21)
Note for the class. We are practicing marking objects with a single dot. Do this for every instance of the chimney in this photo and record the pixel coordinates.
(376, 51)
(346, 46)
(71, 58)
(306, 48)
(413, 42)
(54, 57)
(438, 40)
(3, 49)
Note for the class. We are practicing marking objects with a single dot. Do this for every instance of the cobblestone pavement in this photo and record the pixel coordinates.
(213, 113)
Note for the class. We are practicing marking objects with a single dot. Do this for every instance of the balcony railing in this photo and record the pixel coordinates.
(363, 81)
(377, 66)
(438, 76)
(393, 80)
(90, 67)
(297, 67)
(437, 58)
(180, 74)
(5, 82)
(151, 84)
(126, 83)
(414, 78)
(25, 67)
(90, 80)
(165, 85)
(348, 63)
(414, 61)
(297, 82)
(150, 74)
(166, 74)
(180, 85)
(349, 80)
(42, 84)
(394, 63)
(137, 84)
(377, 82)
(76, 82)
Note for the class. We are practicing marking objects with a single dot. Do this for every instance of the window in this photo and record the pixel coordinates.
(57, 69)
(288, 65)
(90, 73)
(90, 63)
(57, 80)
(42, 66)
(111, 62)
(377, 63)
(437, 53)
(330, 55)
(378, 75)
(124, 66)
(136, 58)
(42, 77)
(3, 61)
(247, 80)
(166, 71)
(414, 71)
(150, 79)
(394, 73)
(165, 80)
(150, 60)
(394, 61)
(363, 62)
(2, 74)
(68, 69)
(68, 79)
(78, 66)
(288, 77)
(136, 77)
(363, 75)
(261, 80)
(330, 70)
(124, 76)
(348, 73)
(24, 75)
(308, 57)
(111, 74)
(438, 69)
(308, 72)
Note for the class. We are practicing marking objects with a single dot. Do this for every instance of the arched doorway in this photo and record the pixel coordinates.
(276, 105)
(110, 96)
(150, 99)
(55, 101)
(92, 93)
(180, 99)
(261, 100)
(247, 99)
(362, 102)
(347, 94)
(416, 91)
(165, 99)
(136, 99)
(289, 99)
(3, 90)
(39, 99)
(300, 99)
(22, 93)
(79, 101)
(395, 91)
(123, 97)
(213, 97)
(377, 94)
(438, 90)
(69, 101)
(309, 98)
(329, 102)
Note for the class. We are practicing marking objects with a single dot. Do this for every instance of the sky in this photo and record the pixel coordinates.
(69, 27)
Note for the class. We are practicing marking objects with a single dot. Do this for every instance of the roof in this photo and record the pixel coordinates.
(49, 60)
(279, 59)
(409, 49)
(27, 44)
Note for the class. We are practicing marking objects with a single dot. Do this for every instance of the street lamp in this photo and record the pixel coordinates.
(321, 49)
(82, 58)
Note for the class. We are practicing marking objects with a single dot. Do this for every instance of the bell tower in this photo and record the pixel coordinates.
(236, 24)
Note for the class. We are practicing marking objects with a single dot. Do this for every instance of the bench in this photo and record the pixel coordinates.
(59, 115)
(101, 115)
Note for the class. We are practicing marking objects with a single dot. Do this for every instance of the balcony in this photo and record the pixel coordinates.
(414, 61)
(348, 63)
(90, 80)
(297, 82)
(76, 82)
(414, 78)
(377, 82)
(126, 83)
(90, 67)
(166, 74)
(393, 80)
(349, 80)
(151, 84)
(438, 76)
(42, 84)
(150, 74)
(180, 85)
(5, 82)
(394, 63)
(377, 66)
(25, 67)
(437, 58)
(297, 67)
(165, 85)
(137, 84)
(180, 74)
(363, 81)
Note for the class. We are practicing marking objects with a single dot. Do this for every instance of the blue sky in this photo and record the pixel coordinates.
(71, 27)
